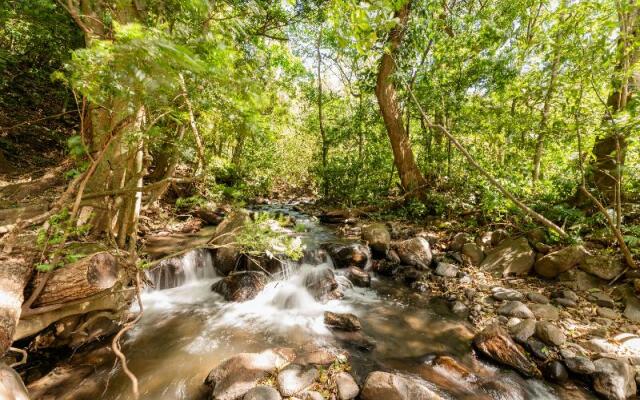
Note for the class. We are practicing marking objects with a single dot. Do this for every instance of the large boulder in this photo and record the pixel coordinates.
(240, 286)
(322, 284)
(511, 257)
(378, 237)
(235, 376)
(553, 264)
(345, 255)
(228, 253)
(495, 343)
(602, 265)
(614, 379)
(383, 385)
(415, 251)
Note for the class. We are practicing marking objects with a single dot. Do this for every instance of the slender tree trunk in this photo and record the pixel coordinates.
(410, 176)
(323, 136)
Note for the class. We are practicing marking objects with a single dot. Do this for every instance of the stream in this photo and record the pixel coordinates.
(187, 330)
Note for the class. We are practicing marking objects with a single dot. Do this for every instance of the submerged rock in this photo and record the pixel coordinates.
(345, 255)
(614, 379)
(553, 264)
(241, 286)
(415, 251)
(344, 322)
(495, 343)
(383, 385)
(235, 376)
(378, 237)
(511, 257)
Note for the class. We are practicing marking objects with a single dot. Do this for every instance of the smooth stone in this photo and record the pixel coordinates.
(523, 331)
(295, 378)
(538, 349)
(600, 345)
(313, 395)
(415, 251)
(580, 365)
(556, 371)
(550, 334)
(614, 379)
(459, 308)
(446, 270)
(500, 293)
(566, 294)
(515, 309)
(545, 312)
(537, 298)
(386, 386)
(347, 387)
(607, 313)
(262, 393)
(602, 299)
(565, 302)
(473, 252)
(378, 237)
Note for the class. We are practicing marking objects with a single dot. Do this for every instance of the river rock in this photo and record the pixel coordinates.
(347, 387)
(550, 334)
(312, 395)
(262, 393)
(537, 298)
(580, 365)
(235, 376)
(602, 299)
(631, 303)
(415, 251)
(523, 330)
(240, 286)
(495, 343)
(383, 385)
(511, 257)
(226, 256)
(344, 322)
(484, 240)
(614, 379)
(607, 313)
(11, 386)
(295, 378)
(473, 252)
(322, 284)
(556, 371)
(378, 237)
(545, 312)
(515, 309)
(446, 270)
(459, 240)
(500, 293)
(384, 267)
(602, 265)
(553, 264)
(356, 339)
(498, 236)
(345, 255)
(538, 349)
(359, 277)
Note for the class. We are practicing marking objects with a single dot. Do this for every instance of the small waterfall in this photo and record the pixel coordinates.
(190, 267)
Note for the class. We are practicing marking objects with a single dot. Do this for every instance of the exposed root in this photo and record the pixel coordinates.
(23, 360)
(115, 344)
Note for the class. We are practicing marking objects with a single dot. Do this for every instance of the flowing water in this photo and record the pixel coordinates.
(187, 330)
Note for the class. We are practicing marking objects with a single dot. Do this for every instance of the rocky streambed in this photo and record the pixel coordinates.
(379, 315)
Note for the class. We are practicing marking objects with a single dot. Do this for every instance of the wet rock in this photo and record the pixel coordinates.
(241, 286)
(545, 312)
(495, 343)
(322, 284)
(500, 293)
(383, 385)
(497, 389)
(515, 309)
(553, 264)
(537, 298)
(345, 255)
(226, 257)
(602, 265)
(580, 365)
(607, 313)
(378, 237)
(295, 378)
(344, 322)
(393, 256)
(359, 277)
(556, 372)
(347, 387)
(446, 270)
(415, 251)
(384, 267)
(459, 240)
(511, 257)
(538, 349)
(614, 379)
(262, 393)
(453, 366)
(550, 334)
(11, 386)
(602, 299)
(235, 376)
(356, 339)
(523, 330)
(473, 252)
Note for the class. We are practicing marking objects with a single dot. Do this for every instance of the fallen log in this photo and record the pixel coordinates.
(84, 278)
(15, 271)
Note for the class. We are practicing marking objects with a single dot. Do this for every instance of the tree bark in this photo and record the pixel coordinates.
(14, 275)
(410, 176)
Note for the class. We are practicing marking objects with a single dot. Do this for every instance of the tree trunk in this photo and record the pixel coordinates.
(14, 275)
(323, 136)
(78, 280)
(410, 176)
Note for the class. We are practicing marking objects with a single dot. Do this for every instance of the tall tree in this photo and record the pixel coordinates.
(410, 176)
